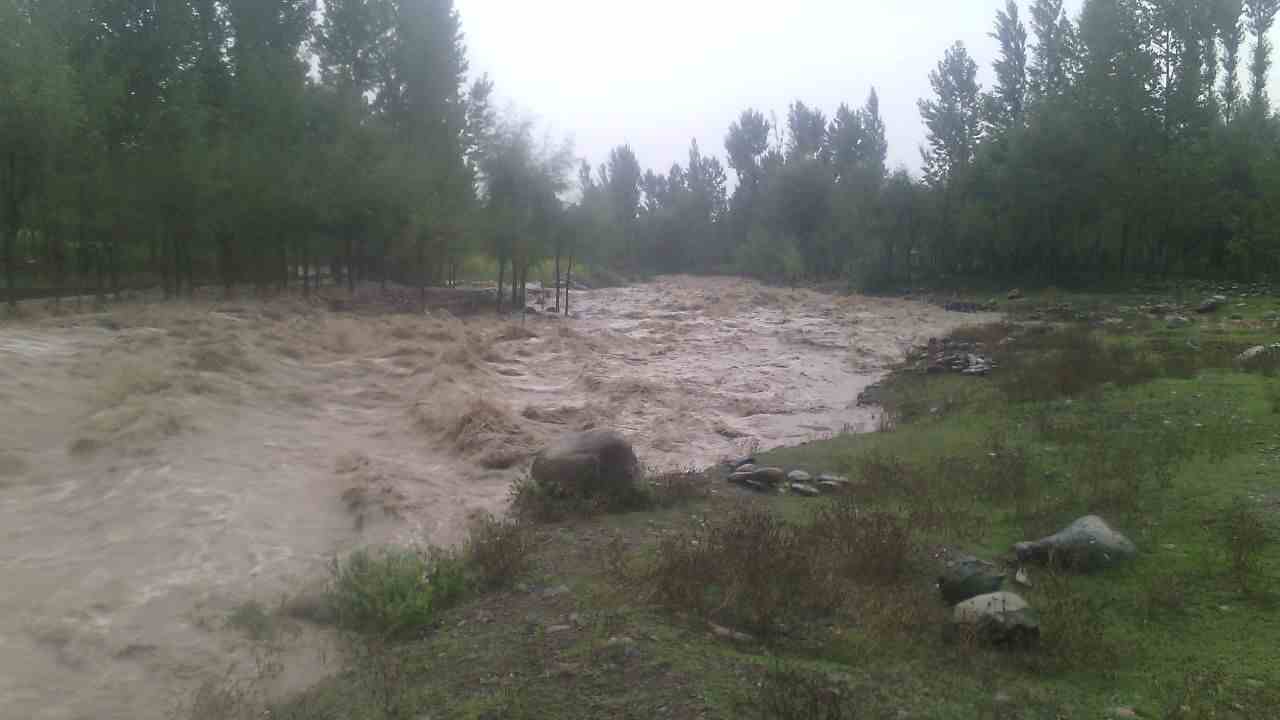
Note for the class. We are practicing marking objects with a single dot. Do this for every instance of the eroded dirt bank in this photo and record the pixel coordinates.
(161, 464)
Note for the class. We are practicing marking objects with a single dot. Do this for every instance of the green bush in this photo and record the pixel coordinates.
(497, 551)
(394, 593)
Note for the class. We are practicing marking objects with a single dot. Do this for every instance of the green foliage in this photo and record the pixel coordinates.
(394, 593)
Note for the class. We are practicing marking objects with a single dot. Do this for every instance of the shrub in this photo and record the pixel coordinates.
(750, 567)
(1245, 536)
(497, 551)
(394, 593)
(792, 693)
(871, 547)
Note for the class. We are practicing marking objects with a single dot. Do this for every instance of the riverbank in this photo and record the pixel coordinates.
(1152, 423)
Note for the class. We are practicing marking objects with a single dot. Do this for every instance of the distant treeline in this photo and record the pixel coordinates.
(239, 141)
(1136, 139)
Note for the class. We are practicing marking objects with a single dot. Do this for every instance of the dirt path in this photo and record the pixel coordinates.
(160, 465)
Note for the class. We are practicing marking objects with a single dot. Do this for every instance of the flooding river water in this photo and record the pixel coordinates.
(161, 465)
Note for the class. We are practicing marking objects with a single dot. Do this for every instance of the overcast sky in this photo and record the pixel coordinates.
(656, 73)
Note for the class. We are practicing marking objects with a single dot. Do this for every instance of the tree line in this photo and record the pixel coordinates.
(1137, 138)
(187, 142)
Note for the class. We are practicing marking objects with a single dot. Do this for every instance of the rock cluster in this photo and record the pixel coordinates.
(948, 355)
(765, 479)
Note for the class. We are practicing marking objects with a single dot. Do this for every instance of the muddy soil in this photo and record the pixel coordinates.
(162, 464)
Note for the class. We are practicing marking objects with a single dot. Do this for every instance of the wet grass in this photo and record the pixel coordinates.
(725, 604)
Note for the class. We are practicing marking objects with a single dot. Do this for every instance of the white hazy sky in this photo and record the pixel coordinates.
(656, 73)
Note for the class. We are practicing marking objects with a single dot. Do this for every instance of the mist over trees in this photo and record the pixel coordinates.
(191, 142)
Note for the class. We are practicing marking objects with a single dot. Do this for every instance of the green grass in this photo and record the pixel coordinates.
(641, 615)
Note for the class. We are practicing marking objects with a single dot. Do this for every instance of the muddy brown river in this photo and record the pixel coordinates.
(163, 464)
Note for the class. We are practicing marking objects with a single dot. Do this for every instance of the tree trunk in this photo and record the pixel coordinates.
(11, 232)
(351, 275)
(515, 286)
(422, 271)
(226, 260)
(557, 277)
(502, 268)
(568, 281)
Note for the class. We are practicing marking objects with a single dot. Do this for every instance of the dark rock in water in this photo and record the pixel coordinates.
(964, 576)
(1086, 545)
(587, 464)
(804, 489)
(999, 618)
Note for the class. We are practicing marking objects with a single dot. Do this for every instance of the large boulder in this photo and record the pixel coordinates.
(1086, 545)
(963, 577)
(587, 464)
(1000, 618)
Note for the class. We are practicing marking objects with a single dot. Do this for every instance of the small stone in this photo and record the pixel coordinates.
(1122, 712)
(1003, 698)
(1177, 321)
(805, 489)
(1022, 577)
(728, 634)
(554, 629)
(555, 591)
(799, 476)
(745, 468)
(1015, 294)
(522, 587)
(769, 475)
(829, 487)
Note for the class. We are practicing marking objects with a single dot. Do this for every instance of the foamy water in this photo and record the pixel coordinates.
(154, 477)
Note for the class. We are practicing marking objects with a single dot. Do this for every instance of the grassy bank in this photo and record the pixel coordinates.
(726, 604)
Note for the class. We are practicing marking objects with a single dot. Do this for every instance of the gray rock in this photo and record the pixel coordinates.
(1000, 618)
(829, 487)
(586, 464)
(1211, 305)
(769, 475)
(799, 476)
(837, 479)
(1177, 321)
(1257, 353)
(1086, 545)
(1015, 294)
(804, 489)
(963, 577)
(739, 463)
